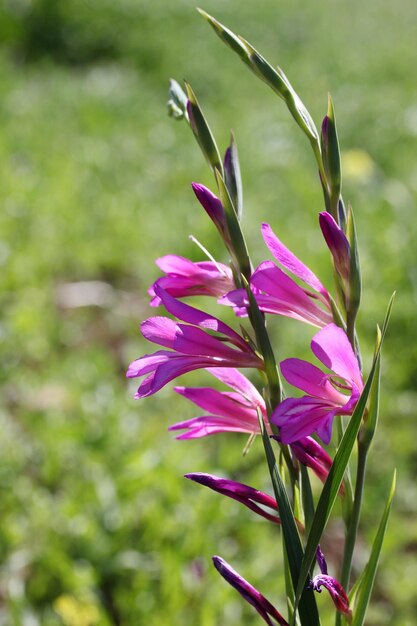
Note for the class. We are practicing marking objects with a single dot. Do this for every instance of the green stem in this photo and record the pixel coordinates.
(353, 522)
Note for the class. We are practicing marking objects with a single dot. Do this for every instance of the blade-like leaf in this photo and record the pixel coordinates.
(337, 471)
(307, 604)
(367, 582)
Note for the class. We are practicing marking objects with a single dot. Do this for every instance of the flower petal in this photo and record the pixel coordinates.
(191, 315)
(332, 347)
(311, 379)
(300, 417)
(237, 381)
(288, 260)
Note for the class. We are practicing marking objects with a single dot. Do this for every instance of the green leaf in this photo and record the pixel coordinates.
(233, 178)
(202, 131)
(294, 550)
(331, 487)
(367, 582)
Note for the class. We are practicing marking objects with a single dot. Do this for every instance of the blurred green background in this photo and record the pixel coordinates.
(97, 525)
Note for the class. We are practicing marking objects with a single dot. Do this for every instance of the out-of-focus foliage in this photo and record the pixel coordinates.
(96, 524)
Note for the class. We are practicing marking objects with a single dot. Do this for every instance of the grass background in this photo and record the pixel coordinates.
(97, 525)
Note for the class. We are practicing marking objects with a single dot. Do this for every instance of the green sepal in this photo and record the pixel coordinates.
(202, 131)
(355, 280)
(177, 103)
(232, 176)
(331, 158)
(294, 550)
(238, 244)
(334, 479)
(364, 590)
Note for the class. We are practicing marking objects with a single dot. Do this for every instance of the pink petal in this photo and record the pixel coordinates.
(332, 347)
(310, 379)
(173, 264)
(288, 260)
(300, 417)
(189, 314)
(147, 363)
(160, 330)
(173, 366)
(236, 380)
(217, 402)
(212, 425)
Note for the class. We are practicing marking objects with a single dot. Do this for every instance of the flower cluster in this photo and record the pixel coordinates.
(256, 403)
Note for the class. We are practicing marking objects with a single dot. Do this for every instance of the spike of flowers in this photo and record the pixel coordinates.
(204, 341)
(299, 417)
(336, 591)
(186, 278)
(265, 609)
(277, 293)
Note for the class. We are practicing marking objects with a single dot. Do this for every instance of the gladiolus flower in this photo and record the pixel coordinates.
(265, 609)
(336, 591)
(277, 293)
(185, 278)
(203, 342)
(299, 417)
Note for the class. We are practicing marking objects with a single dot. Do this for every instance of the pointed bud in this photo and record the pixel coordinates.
(227, 36)
(265, 609)
(249, 497)
(202, 131)
(177, 103)
(233, 178)
(331, 157)
(213, 207)
(337, 243)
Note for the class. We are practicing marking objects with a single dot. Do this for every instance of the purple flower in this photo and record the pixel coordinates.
(203, 342)
(249, 497)
(335, 590)
(337, 243)
(265, 609)
(185, 278)
(278, 293)
(227, 411)
(299, 417)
